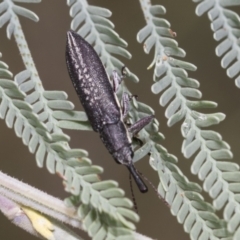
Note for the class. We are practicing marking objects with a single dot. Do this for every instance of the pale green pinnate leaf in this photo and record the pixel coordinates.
(60, 137)
(5, 83)
(71, 164)
(94, 227)
(200, 104)
(112, 193)
(234, 187)
(5, 73)
(228, 166)
(22, 105)
(3, 64)
(89, 170)
(3, 7)
(143, 33)
(25, 13)
(187, 82)
(10, 9)
(4, 18)
(103, 12)
(32, 97)
(209, 181)
(178, 116)
(75, 125)
(207, 122)
(161, 85)
(232, 176)
(222, 154)
(172, 108)
(99, 32)
(119, 202)
(224, 23)
(192, 148)
(103, 21)
(60, 104)
(105, 185)
(141, 152)
(55, 95)
(27, 86)
(175, 51)
(149, 43)
(197, 141)
(128, 214)
(212, 135)
(226, 3)
(157, 9)
(182, 64)
(204, 6)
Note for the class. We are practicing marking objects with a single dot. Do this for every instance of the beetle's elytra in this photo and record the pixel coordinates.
(99, 100)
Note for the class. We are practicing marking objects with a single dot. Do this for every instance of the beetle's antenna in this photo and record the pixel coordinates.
(132, 192)
(154, 188)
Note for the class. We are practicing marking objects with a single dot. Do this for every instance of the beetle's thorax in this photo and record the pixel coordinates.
(124, 155)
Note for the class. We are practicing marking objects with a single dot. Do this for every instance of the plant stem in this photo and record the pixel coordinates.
(29, 196)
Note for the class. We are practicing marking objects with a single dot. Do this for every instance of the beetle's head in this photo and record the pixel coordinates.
(124, 155)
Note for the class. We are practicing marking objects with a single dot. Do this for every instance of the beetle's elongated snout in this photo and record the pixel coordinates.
(72, 39)
(141, 185)
(77, 46)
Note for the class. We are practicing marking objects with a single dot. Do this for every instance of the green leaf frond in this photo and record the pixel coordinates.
(179, 194)
(8, 9)
(221, 179)
(226, 27)
(102, 205)
(182, 196)
(92, 24)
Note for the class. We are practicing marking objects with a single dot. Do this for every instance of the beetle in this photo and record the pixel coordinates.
(99, 100)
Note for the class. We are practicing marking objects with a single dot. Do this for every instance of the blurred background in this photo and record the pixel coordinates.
(46, 40)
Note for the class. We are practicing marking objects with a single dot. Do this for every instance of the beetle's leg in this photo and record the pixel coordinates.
(117, 79)
(138, 141)
(126, 98)
(140, 124)
(123, 71)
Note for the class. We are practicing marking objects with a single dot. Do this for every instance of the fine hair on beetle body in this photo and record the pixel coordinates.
(99, 100)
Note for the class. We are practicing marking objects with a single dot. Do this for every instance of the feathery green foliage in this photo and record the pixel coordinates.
(102, 205)
(92, 24)
(38, 117)
(172, 182)
(171, 78)
(97, 199)
(226, 27)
